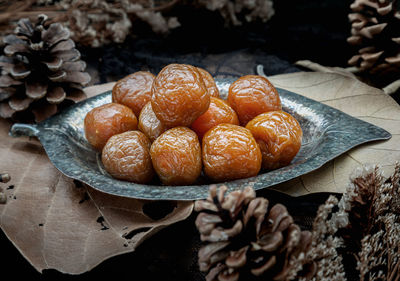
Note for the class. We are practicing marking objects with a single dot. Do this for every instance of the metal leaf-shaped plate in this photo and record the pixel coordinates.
(327, 133)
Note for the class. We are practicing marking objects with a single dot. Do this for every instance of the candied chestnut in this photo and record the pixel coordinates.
(149, 123)
(126, 156)
(217, 113)
(179, 95)
(107, 120)
(252, 95)
(279, 136)
(230, 152)
(176, 156)
(134, 90)
(209, 82)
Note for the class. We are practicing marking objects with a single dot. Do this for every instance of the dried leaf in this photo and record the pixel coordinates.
(55, 224)
(356, 99)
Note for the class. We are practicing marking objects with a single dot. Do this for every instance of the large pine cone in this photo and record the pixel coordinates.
(245, 239)
(41, 70)
(376, 34)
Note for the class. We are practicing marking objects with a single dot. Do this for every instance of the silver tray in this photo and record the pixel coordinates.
(327, 133)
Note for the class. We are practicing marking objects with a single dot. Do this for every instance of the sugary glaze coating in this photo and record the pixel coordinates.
(126, 156)
(217, 113)
(149, 123)
(134, 90)
(279, 136)
(179, 95)
(252, 95)
(107, 120)
(176, 156)
(230, 152)
(209, 82)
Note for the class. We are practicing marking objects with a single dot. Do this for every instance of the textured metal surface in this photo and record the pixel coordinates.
(327, 133)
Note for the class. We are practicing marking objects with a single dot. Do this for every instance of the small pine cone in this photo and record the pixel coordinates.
(40, 72)
(3, 178)
(375, 33)
(358, 203)
(244, 239)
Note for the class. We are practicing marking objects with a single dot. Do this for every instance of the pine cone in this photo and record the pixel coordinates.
(358, 237)
(376, 33)
(360, 206)
(41, 70)
(245, 239)
(3, 178)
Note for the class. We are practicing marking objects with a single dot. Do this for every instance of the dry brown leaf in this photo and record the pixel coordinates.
(356, 99)
(55, 224)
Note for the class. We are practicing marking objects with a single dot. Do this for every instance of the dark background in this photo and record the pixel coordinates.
(304, 29)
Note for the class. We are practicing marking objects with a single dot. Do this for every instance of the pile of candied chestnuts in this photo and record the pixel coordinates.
(175, 126)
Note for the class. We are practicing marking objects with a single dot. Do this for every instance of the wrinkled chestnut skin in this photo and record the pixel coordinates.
(134, 90)
(149, 123)
(217, 113)
(179, 95)
(279, 136)
(176, 156)
(252, 95)
(209, 82)
(107, 120)
(126, 156)
(230, 152)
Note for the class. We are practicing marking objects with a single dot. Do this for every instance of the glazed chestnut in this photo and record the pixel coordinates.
(230, 152)
(107, 120)
(252, 95)
(209, 82)
(126, 156)
(176, 156)
(179, 95)
(217, 113)
(149, 123)
(279, 136)
(134, 90)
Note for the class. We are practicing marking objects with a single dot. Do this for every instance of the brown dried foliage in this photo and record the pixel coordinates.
(361, 229)
(97, 22)
(92, 22)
